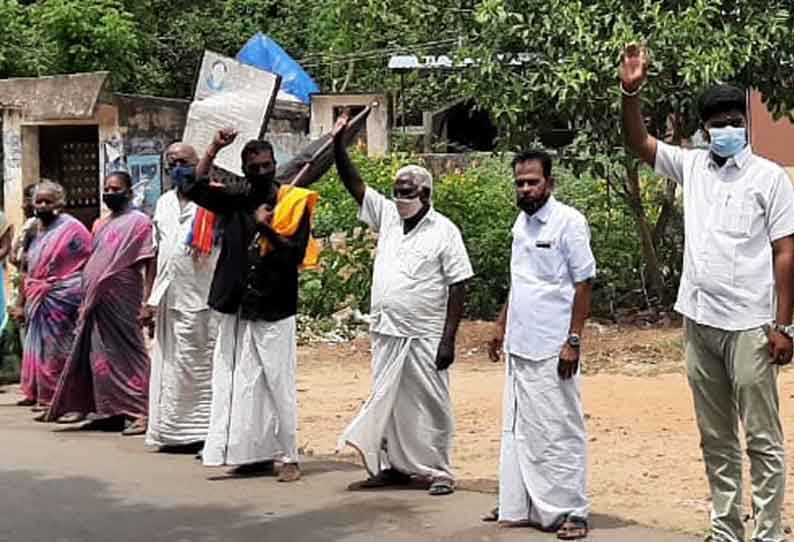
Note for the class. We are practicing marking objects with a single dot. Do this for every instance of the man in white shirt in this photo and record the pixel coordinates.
(421, 267)
(180, 387)
(542, 474)
(736, 294)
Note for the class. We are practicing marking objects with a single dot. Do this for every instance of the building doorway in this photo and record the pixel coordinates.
(69, 155)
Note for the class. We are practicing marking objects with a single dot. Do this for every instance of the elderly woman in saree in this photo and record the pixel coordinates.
(51, 293)
(107, 373)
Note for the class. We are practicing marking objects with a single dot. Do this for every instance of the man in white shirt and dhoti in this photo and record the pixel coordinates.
(180, 389)
(542, 474)
(404, 430)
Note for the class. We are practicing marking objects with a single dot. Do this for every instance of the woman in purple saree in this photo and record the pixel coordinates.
(52, 291)
(108, 370)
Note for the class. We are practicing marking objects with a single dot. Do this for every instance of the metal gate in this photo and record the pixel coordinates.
(69, 155)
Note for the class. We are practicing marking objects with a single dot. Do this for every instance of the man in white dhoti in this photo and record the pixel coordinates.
(265, 237)
(405, 428)
(180, 386)
(542, 475)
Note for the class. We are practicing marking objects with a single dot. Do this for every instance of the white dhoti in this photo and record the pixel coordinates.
(406, 424)
(254, 413)
(542, 474)
(180, 386)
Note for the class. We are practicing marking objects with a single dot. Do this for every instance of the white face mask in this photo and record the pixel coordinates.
(408, 207)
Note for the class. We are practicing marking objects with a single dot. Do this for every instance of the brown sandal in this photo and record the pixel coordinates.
(573, 528)
(290, 472)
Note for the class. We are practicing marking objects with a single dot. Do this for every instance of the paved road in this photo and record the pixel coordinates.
(67, 486)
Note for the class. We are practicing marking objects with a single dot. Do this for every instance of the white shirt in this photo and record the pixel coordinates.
(551, 254)
(183, 280)
(412, 272)
(732, 214)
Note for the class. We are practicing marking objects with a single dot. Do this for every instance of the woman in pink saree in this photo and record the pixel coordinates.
(107, 373)
(51, 293)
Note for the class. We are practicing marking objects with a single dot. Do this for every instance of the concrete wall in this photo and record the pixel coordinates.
(288, 130)
(378, 127)
(770, 138)
(12, 166)
(127, 126)
(147, 124)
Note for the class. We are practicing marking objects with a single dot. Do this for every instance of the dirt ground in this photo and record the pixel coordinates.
(644, 460)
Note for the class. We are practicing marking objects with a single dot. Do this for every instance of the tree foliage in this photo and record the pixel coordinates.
(574, 49)
(571, 50)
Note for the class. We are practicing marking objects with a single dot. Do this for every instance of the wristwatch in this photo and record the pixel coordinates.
(788, 331)
(574, 341)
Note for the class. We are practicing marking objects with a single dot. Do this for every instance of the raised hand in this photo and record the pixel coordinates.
(341, 124)
(634, 67)
(224, 137)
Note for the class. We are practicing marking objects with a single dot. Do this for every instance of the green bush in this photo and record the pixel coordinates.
(481, 202)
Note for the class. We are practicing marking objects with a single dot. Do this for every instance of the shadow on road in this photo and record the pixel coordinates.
(80, 509)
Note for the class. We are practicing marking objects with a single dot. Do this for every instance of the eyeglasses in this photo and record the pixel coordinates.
(406, 192)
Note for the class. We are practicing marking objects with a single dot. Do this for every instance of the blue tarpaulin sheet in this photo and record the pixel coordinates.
(262, 52)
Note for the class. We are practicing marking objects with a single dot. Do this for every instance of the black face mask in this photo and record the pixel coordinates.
(262, 186)
(116, 201)
(46, 215)
(532, 206)
(264, 177)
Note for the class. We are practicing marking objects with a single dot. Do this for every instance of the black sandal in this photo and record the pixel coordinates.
(442, 486)
(573, 528)
(385, 478)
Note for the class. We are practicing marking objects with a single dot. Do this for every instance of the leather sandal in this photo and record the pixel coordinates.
(137, 427)
(290, 472)
(573, 528)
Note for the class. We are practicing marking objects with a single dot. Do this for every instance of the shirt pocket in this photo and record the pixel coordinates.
(736, 213)
(414, 262)
(545, 260)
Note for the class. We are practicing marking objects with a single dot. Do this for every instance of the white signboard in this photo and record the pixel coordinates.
(229, 95)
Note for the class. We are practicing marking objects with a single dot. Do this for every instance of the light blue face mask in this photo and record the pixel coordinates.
(727, 141)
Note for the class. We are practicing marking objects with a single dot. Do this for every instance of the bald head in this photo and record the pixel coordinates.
(180, 154)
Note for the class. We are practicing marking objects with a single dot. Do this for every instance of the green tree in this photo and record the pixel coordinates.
(343, 44)
(15, 40)
(570, 76)
(85, 35)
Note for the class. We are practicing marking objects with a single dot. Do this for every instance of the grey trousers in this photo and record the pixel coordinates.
(732, 378)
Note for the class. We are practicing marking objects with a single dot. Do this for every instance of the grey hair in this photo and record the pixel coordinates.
(52, 186)
(420, 176)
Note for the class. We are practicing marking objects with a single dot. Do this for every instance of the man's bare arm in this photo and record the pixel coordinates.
(783, 254)
(581, 306)
(222, 139)
(344, 165)
(495, 344)
(455, 304)
(633, 74)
